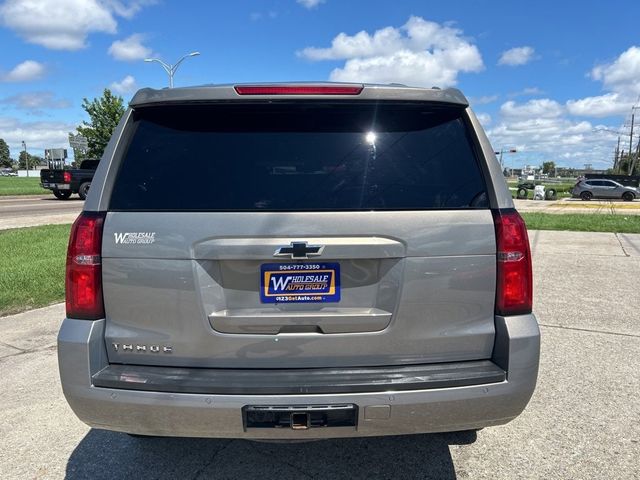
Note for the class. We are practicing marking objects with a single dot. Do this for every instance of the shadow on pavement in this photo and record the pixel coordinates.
(103, 454)
(72, 198)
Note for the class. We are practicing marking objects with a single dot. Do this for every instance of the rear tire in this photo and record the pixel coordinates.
(586, 196)
(83, 191)
(62, 194)
(628, 196)
(522, 193)
(551, 194)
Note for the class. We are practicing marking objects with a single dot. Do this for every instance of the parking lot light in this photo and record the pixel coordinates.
(171, 69)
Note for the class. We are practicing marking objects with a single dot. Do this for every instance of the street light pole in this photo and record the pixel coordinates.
(629, 163)
(26, 157)
(502, 151)
(171, 69)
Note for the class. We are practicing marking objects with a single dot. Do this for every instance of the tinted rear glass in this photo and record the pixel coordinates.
(299, 157)
(89, 164)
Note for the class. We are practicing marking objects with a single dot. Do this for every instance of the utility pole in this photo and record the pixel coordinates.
(633, 162)
(26, 157)
(631, 142)
(616, 160)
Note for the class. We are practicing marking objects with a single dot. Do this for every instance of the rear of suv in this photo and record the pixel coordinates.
(298, 261)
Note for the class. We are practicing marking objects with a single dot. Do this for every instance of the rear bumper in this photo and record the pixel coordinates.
(81, 355)
(306, 381)
(55, 186)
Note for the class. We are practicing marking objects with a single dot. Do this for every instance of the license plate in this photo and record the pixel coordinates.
(299, 282)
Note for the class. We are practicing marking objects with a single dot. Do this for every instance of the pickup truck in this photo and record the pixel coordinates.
(65, 182)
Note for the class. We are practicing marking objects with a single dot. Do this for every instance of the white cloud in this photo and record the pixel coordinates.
(542, 131)
(606, 105)
(622, 80)
(421, 53)
(539, 108)
(385, 41)
(127, 9)
(623, 74)
(130, 49)
(548, 129)
(527, 92)
(484, 119)
(484, 100)
(552, 139)
(35, 101)
(310, 3)
(517, 56)
(27, 71)
(125, 86)
(37, 135)
(65, 24)
(255, 16)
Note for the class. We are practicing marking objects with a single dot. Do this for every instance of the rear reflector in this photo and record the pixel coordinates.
(514, 292)
(84, 270)
(298, 90)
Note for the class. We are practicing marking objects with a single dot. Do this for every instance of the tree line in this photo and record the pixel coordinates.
(104, 114)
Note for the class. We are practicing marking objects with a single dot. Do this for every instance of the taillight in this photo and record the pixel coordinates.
(66, 177)
(84, 268)
(514, 293)
(298, 90)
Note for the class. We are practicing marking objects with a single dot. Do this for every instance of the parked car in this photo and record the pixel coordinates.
(65, 182)
(601, 188)
(334, 260)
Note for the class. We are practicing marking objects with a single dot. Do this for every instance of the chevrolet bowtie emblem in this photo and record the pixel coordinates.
(299, 250)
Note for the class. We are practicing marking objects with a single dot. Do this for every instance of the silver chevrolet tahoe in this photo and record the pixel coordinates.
(298, 261)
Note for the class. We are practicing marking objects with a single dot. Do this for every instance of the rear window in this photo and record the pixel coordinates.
(299, 157)
(89, 164)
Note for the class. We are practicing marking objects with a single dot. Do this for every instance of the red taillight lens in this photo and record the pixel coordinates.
(298, 90)
(66, 177)
(84, 269)
(514, 294)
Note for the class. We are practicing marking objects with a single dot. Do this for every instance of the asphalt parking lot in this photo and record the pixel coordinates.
(583, 421)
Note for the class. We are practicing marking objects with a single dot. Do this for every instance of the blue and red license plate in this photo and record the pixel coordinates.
(299, 282)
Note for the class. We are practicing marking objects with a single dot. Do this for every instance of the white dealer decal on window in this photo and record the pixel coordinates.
(135, 237)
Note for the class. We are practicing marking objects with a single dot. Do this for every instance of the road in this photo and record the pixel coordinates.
(582, 423)
(31, 210)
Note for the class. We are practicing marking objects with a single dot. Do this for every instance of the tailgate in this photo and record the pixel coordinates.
(52, 176)
(415, 287)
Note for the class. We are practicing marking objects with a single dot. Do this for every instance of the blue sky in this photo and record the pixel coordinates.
(556, 80)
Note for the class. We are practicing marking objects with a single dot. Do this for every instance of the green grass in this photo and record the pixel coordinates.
(20, 186)
(32, 267)
(582, 222)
